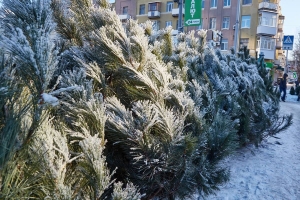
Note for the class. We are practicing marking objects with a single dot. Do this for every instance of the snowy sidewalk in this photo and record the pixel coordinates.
(271, 172)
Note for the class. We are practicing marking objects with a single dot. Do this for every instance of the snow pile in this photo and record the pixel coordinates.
(270, 171)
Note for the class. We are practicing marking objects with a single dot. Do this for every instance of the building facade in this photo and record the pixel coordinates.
(257, 24)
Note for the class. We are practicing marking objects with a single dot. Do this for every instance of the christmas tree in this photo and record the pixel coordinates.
(96, 109)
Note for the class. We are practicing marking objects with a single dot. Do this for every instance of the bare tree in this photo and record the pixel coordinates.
(296, 56)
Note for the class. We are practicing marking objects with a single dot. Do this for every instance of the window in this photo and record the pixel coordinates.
(246, 20)
(268, 21)
(224, 44)
(152, 7)
(203, 3)
(266, 43)
(155, 25)
(225, 24)
(226, 3)
(280, 21)
(244, 42)
(213, 3)
(142, 9)
(125, 10)
(245, 2)
(169, 6)
(212, 23)
(168, 23)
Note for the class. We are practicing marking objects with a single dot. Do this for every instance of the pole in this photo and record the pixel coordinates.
(286, 61)
(180, 27)
(237, 27)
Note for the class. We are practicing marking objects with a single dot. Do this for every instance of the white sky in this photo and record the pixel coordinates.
(291, 10)
(270, 172)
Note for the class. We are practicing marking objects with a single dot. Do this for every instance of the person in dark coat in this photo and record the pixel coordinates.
(282, 86)
(296, 83)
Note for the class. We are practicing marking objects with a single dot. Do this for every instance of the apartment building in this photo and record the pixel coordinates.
(258, 22)
(220, 16)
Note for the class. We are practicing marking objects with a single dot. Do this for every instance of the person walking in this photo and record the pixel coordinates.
(297, 89)
(282, 87)
(296, 83)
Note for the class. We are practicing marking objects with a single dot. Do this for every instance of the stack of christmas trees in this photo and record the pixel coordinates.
(94, 109)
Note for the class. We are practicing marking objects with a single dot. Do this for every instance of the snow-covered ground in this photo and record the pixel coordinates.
(270, 172)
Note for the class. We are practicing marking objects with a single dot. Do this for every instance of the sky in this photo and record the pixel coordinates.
(291, 10)
(270, 172)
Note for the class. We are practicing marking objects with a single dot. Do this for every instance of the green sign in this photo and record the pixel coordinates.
(192, 12)
(295, 75)
(269, 65)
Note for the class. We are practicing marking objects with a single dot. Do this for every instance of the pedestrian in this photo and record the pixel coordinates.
(296, 83)
(282, 87)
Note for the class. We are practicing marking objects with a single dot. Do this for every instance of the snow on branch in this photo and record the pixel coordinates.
(48, 99)
(71, 88)
(3, 89)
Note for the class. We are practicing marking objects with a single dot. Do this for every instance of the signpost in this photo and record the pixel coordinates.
(288, 41)
(193, 11)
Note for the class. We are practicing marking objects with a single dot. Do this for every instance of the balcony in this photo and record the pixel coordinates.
(175, 12)
(124, 17)
(280, 27)
(153, 14)
(280, 52)
(269, 54)
(154, 10)
(267, 46)
(266, 30)
(278, 44)
(266, 6)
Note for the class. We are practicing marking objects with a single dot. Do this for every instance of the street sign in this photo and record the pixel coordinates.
(288, 41)
(295, 75)
(191, 22)
(192, 12)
